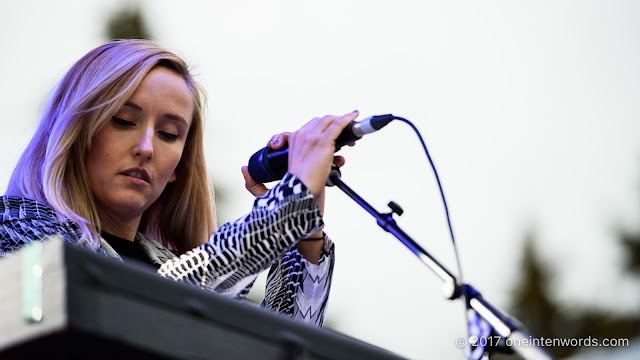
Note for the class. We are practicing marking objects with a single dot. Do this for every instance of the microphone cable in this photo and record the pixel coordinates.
(463, 289)
(444, 200)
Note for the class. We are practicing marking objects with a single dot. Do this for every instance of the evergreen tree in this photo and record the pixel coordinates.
(127, 23)
(545, 317)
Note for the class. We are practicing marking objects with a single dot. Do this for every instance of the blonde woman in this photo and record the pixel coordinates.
(117, 165)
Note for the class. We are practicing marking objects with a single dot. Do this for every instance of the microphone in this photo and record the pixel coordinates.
(267, 164)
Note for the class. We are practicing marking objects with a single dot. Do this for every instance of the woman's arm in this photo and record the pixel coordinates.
(289, 212)
(24, 220)
(309, 249)
(239, 250)
(298, 288)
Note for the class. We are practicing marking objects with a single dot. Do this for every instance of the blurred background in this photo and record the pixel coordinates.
(530, 111)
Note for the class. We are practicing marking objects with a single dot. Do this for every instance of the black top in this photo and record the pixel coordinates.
(127, 249)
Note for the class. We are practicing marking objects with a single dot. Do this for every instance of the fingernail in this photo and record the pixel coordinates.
(276, 141)
(354, 111)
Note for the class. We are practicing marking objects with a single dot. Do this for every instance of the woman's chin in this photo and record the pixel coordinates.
(128, 207)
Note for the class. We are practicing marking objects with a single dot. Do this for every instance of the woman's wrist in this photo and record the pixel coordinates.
(320, 235)
(311, 247)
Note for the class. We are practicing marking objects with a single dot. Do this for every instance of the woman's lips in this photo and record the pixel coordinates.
(137, 175)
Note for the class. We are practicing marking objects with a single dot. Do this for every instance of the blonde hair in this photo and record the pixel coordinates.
(52, 168)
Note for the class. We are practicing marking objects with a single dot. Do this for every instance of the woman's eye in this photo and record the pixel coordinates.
(122, 122)
(169, 136)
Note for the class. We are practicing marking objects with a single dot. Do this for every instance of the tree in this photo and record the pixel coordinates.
(127, 23)
(545, 317)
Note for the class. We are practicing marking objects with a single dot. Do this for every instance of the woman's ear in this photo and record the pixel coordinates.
(174, 176)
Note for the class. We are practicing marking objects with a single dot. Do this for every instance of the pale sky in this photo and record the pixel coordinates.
(530, 111)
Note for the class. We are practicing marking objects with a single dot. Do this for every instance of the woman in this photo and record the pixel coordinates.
(117, 166)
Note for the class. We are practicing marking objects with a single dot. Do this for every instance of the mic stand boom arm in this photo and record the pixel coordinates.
(517, 338)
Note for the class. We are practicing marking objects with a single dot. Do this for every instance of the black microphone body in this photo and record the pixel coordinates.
(268, 165)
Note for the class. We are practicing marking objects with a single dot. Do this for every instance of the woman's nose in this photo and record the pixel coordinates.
(144, 148)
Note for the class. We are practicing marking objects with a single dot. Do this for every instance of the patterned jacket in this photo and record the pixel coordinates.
(232, 258)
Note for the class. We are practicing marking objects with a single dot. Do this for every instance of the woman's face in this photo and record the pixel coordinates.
(134, 156)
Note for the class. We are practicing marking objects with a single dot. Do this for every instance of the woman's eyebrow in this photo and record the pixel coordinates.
(177, 118)
(169, 116)
(132, 105)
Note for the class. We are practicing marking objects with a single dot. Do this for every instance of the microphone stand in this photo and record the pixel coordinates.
(481, 342)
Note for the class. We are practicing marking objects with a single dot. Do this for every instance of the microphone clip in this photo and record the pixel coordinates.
(335, 173)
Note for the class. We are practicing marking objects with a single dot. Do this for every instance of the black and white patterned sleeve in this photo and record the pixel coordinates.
(239, 250)
(300, 289)
(23, 221)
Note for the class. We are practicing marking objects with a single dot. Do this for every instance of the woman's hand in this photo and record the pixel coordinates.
(310, 154)
(311, 150)
(255, 188)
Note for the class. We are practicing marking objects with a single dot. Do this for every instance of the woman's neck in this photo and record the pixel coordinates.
(122, 228)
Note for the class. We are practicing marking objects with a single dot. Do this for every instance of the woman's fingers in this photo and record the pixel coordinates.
(311, 149)
(334, 129)
(278, 140)
(255, 188)
(338, 161)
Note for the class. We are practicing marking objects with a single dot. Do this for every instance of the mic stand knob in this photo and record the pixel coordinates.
(335, 171)
(395, 208)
